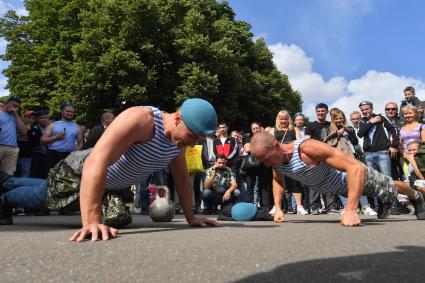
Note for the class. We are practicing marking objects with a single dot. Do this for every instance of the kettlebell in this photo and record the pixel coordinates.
(161, 208)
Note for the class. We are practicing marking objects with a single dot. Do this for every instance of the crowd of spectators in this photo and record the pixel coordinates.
(33, 143)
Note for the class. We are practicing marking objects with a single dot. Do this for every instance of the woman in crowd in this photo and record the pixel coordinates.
(258, 180)
(286, 132)
(412, 129)
(340, 134)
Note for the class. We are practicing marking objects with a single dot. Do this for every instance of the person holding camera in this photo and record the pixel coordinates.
(220, 187)
(381, 139)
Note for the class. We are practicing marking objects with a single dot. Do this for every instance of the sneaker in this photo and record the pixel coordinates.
(5, 214)
(419, 205)
(314, 211)
(272, 211)
(334, 211)
(402, 209)
(411, 209)
(135, 210)
(384, 209)
(301, 210)
(198, 210)
(369, 211)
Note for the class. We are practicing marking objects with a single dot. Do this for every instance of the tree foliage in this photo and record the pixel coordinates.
(113, 54)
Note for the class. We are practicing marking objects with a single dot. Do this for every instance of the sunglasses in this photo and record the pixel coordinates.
(390, 109)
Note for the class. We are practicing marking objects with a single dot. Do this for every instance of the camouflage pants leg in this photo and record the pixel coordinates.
(115, 212)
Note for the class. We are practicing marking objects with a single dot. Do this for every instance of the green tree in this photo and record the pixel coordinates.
(118, 53)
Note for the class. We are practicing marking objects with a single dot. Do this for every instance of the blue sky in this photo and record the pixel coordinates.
(335, 51)
(345, 37)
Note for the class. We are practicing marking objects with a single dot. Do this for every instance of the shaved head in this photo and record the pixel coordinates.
(261, 140)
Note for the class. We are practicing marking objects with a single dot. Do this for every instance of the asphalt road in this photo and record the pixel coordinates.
(303, 249)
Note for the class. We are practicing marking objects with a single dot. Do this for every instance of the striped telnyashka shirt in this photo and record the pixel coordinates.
(321, 177)
(141, 160)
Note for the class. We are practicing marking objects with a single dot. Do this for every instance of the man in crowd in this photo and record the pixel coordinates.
(225, 145)
(61, 136)
(327, 169)
(220, 186)
(25, 143)
(409, 99)
(318, 130)
(97, 131)
(355, 118)
(391, 113)
(9, 123)
(39, 167)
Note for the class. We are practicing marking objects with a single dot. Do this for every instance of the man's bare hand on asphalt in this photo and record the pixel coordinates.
(278, 216)
(350, 218)
(202, 222)
(94, 229)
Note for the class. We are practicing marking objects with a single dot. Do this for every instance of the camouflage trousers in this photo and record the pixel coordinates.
(63, 189)
(379, 185)
(115, 211)
(376, 185)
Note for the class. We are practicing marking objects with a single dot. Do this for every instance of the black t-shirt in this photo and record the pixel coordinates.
(287, 136)
(317, 130)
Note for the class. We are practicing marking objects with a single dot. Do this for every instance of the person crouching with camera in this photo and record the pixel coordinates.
(220, 187)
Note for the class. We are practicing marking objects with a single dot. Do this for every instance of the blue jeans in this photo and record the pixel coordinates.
(23, 167)
(380, 161)
(25, 192)
(214, 198)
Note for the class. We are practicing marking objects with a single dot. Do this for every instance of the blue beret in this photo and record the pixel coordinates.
(244, 211)
(199, 116)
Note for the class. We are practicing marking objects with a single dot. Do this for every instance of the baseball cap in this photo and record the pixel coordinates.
(65, 104)
(199, 116)
(365, 102)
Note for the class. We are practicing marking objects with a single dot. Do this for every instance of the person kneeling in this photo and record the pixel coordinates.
(220, 187)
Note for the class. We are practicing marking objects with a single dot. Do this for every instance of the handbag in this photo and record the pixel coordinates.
(339, 142)
(249, 165)
(194, 159)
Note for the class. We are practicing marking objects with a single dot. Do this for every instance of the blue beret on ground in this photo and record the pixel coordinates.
(199, 116)
(244, 211)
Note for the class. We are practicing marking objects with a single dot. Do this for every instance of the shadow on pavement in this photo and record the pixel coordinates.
(405, 265)
(365, 222)
(163, 227)
(41, 223)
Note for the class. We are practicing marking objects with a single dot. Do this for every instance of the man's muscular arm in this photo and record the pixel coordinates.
(313, 151)
(278, 190)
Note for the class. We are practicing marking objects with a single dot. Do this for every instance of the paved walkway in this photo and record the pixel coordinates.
(304, 249)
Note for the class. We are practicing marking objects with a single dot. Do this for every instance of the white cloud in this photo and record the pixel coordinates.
(377, 87)
(291, 58)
